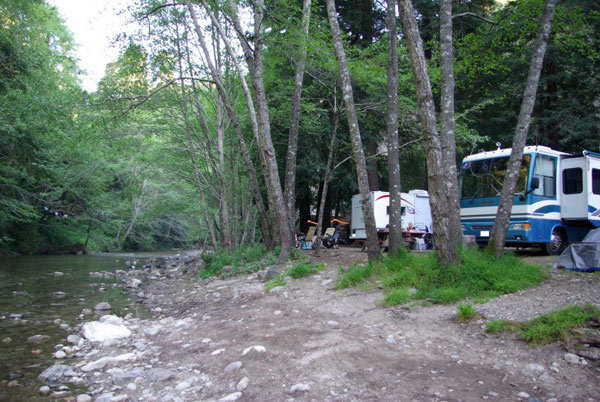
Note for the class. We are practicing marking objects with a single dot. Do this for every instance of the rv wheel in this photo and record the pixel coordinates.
(428, 241)
(557, 242)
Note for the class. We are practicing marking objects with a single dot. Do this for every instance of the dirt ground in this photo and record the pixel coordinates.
(312, 342)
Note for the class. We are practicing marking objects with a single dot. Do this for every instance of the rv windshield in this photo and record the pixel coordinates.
(484, 178)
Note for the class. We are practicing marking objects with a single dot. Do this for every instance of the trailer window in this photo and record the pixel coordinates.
(572, 181)
(484, 178)
(545, 170)
(596, 181)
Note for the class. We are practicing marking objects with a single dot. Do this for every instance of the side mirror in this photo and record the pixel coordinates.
(535, 183)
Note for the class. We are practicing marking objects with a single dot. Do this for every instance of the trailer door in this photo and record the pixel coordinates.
(574, 197)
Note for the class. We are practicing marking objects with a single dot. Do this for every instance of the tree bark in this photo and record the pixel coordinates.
(373, 249)
(321, 212)
(448, 123)
(514, 163)
(290, 166)
(395, 229)
(233, 116)
(436, 177)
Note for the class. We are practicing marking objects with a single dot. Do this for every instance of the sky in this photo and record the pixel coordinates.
(94, 24)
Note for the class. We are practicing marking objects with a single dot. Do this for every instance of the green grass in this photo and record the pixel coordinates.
(273, 283)
(557, 326)
(496, 326)
(304, 269)
(466, 312)
(479, 277)
(244, 260)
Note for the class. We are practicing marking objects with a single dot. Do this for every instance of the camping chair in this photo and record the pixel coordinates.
(307, 243)
(330, 238)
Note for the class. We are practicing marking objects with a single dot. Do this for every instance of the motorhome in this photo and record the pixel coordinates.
(416, 213)
(556, 202)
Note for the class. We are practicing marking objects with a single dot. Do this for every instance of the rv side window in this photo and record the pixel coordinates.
(403, 211)
(387, 210)
(596, 181)
(545, 170)
(572, 181)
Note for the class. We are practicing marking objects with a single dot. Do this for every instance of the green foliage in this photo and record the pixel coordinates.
(273, 283)
(243, 259)
(497, 326)
(480, 276)
(304, 269)
(466, 312)
(557, 326)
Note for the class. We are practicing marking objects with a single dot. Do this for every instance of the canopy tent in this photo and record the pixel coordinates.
(584, 256)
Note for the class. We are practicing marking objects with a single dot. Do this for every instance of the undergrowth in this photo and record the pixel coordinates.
(273, 283)
(479, 277)
(466, 312)
(243, 260)
(304, 269)
(556, 326)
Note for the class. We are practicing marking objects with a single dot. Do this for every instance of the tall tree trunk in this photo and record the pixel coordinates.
(395, 236)
(233, 116)
(514, 163)
(268, 239)
(447, 254)
(448, 124)
(321, 211)
(373, 250)
(290, 166)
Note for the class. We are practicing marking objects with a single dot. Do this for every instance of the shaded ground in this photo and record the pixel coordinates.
(339, 345)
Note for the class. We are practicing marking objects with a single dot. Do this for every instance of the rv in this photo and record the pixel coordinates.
(556, 202)
(416, 213)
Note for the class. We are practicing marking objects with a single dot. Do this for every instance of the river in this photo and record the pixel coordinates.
(45, 295)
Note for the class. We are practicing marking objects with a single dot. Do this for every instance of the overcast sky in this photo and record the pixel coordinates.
(94, 25)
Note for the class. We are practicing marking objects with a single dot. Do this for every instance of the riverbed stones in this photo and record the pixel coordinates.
(73, 339)
(83, 398)
(233, 366)
(38, 338)
(102, 306)
(231, 397)
(44, 390)
(160, 374)
(243, 384)
(533, 370)
(56, 372)
(298, 389)
(60, 355)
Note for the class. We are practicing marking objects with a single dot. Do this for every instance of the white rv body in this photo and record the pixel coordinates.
(416, 212)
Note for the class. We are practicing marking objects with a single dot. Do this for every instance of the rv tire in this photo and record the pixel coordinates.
(557, 243)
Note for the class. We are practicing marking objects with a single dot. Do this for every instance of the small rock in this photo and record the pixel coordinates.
(182, 385)
(524, 395)
(13, 384)
(60, 355)
(227, 268)
(493, 394)
(333, 323)
(160, 374)
(7, 340)
(152, 331)
(233, 366)
(299, 388)
(102, 306)
(243, 384)
(56, 372)
(131, 386)
(231, 397)
(57, 394)
(572, 358)
(277, 312)
(59, 294)
(206, 340)
(217, 352)
(38, 338)
(83, 398)
(58, 273)
(73, 339)
(533, 370)
(257, 348)
(119, 398)
(44, 390)
(534, 399)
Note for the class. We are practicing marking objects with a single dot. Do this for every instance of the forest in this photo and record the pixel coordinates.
(224, 122)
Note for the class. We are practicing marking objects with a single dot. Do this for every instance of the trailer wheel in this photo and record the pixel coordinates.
(428, 241)
(557, 243)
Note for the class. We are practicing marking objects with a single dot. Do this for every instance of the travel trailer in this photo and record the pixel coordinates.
(416, 214)
(557, 199)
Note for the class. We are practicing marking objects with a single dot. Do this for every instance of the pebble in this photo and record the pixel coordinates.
(73, 339)
(60, 355)
(523, 394)
(7, 340)
(299, 388)
(277, 312)
(131, 386)
(83, 398)
(182, 385)
(233, 366)
(533, 370)
(257, 348)
(44, 390)
(243, 384)
(231, 397)
(218, 351)
(13, 384)
(572, 358)
(102, 306)
(333, 323)
(38, 338)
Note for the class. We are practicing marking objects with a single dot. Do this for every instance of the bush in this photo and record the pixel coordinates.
(244, 259)
(479, 277)
(496, 326)
(304, 269)
(466, 313)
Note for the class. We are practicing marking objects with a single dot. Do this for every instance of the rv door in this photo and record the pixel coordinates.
(574, 197)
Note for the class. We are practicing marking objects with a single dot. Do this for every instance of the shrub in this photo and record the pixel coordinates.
(496, 326)
(304, 269)
(466, 312)
(273, 283)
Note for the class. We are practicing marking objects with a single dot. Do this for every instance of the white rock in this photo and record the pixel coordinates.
(131, 386)
(97, 331)
(256, 348)
(572, 358)
(243, 384)
(152, 331)
(73, 339)
(533, 370)
(524, 395)
(231, 397)
(218, 351)
(206, 340)
(98, 364)
(182, 385)
(83, 398)
(111, 319)
(333, 323)
(44, 390)
(300, 388)
(60, 355)
(233, 366)
(277, 312)
(102, 306)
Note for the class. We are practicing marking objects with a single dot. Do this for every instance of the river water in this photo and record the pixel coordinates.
(30, 305)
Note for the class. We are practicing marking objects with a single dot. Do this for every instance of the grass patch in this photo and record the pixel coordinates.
(304, 269)
(557, 326)
(497, 326)
(243, 260)
(273, 283)
(466, 312)
(479, 277)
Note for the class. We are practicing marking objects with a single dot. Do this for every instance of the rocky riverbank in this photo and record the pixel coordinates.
(231, 340)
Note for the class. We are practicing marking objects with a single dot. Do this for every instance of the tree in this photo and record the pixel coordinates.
(514, 163)
(357, 147)
(436, 176)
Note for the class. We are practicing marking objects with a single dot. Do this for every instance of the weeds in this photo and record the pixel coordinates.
(304, 269)
(479, 277)
(496, 326)
(273, 283)
(557, 326)
(243, 260)
(466, 313)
